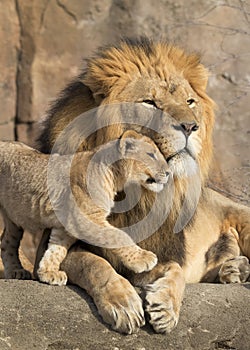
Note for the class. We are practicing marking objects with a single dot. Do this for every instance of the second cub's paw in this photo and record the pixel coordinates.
(236, 270)
(141, 261)
(56, 278)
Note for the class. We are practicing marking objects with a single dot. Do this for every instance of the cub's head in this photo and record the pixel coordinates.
(147, 166)
(160, 91)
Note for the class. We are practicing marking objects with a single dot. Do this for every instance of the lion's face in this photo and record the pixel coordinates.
(164, 91)
(175, 112)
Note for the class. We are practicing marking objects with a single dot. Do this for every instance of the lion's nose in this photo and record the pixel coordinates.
(188, 128)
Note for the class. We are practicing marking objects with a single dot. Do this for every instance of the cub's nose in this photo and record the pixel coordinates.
(188, 128)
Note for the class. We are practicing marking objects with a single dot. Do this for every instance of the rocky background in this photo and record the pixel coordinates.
(43, 44)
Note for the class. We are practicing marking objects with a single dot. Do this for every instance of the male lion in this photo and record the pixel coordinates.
(167, 88)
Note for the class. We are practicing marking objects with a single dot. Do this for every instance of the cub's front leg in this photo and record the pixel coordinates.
(164, 289)
(48, 270)
(136, 259)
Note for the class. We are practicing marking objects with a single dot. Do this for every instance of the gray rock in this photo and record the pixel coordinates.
(42, 317)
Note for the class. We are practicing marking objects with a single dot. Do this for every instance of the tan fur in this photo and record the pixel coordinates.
(23, 176)
(134, 73)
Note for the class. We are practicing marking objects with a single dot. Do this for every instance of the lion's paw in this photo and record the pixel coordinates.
(236, 270)
(161, 308)
(120, 306)
(56, 278)
(141, 261)
(20, 274)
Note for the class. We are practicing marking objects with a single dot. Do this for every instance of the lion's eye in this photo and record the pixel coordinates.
(191, 102)
(152, 155)
(149, 103)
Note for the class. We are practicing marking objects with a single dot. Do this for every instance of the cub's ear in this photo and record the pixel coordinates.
(127, 142)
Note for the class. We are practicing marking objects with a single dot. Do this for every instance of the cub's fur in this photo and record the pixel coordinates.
(27, 203)
(162, 89)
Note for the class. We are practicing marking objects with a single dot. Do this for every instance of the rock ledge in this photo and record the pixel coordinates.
(42, 317)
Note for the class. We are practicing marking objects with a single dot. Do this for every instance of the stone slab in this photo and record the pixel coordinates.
(42, 317)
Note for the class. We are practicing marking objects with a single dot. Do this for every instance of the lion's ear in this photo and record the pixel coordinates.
(127, 142)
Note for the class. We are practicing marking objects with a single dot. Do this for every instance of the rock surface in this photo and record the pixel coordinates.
(42, 317)
(44, 42)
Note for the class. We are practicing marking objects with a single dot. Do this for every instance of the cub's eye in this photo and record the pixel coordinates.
(191, 102)
(149, 103)
(152, 155)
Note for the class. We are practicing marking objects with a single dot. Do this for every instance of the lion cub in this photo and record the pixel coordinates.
(35, 194)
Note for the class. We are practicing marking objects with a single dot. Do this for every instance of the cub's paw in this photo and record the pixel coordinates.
(56, 278)
(120, 306)
(161, 307)
(236, 270)
(19, 274)
(141, 261)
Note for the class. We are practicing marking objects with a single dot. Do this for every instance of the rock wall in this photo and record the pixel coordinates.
(43, 43)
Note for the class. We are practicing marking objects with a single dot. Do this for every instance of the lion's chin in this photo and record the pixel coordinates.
(183, 165)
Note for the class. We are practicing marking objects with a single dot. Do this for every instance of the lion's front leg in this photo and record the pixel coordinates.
(164, 288)
(117, 301)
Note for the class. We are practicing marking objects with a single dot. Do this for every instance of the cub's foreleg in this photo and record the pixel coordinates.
(49, 266)
(10, 242)
(136, 259)
(129, 254)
